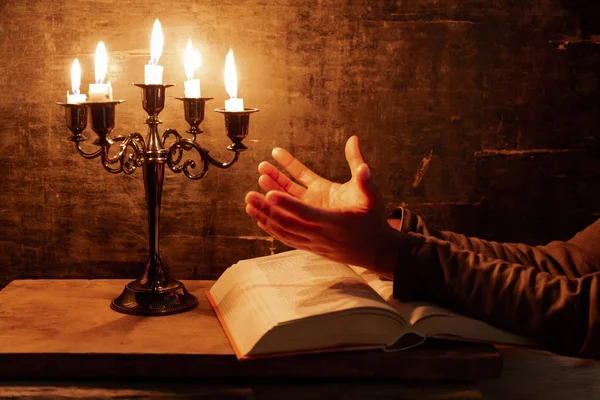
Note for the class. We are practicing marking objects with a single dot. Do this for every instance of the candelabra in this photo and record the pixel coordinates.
(155, 293)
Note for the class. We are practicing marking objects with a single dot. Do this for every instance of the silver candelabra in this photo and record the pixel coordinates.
(155, 293)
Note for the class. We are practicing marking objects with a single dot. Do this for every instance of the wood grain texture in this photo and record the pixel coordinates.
(414, 79)
(122, 391)
(249, 391)
(65, 329)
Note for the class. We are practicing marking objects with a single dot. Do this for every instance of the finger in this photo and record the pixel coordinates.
(273, 235)
(312, 215)
(275, 230)
(271, 214)
(353, 154)
(267, 184)
(299, 171)
(301, 244)
(281, 180)
(287, 238)
(284, 241)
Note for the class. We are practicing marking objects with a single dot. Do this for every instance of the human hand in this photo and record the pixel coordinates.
(342, 222)
(314, 189)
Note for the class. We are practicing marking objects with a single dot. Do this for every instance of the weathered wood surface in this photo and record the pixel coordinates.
(427, 85)
(304, 390)
(527, 374)
(534, 374)
(65, 329)
(120, 390)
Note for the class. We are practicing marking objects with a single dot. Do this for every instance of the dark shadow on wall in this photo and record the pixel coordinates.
(588, 14)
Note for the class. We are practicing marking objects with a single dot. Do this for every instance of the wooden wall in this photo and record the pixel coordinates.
(482, 115)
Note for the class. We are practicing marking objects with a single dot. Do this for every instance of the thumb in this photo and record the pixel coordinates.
(366, 184)
(353, 155)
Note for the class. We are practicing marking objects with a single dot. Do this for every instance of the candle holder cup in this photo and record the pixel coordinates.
(237, 124)
(193, 112)
(102, 116)
(76, 120)
(155, 292)
(153, 98)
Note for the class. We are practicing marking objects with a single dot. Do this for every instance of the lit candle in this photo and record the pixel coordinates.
(100, 91)
(191, 61)
(233, 104)
(153, 71)
(76, 97)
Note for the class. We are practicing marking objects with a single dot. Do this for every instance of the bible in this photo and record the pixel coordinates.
(297, 302)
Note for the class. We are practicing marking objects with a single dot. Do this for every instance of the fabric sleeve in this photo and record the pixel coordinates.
(560, 313)
(574, 258)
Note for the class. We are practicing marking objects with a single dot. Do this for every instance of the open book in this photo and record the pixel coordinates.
(297, 302)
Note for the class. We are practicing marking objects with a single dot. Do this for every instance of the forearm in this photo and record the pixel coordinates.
(557, 258)
(561, 314)
(516, 253)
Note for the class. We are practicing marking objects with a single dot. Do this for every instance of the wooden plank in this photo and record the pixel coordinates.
(65, 328)
(122, 390)
(258, 391)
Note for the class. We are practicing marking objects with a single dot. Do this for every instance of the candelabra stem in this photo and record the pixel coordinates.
(154, 293)
(155, 275)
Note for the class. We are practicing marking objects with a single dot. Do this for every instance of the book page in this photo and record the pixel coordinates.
(298, 284)
(410, 312)
(256, 295)
(243, 317)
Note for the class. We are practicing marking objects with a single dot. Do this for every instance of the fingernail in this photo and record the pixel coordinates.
(272, 197)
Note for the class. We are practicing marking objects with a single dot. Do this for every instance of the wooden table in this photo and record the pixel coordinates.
(59, 337)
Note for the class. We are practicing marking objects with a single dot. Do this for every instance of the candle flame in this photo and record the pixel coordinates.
(101, 62)
(230, 75)
(191, 60)
(156, 43)
(75, 77)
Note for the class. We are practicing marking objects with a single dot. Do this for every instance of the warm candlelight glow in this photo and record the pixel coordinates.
(233, 104)
(101, 62)
(230, 75)
(152, 71)
(75, 77)
(76, 97)
(156, 43)
(100, 91)
(191, 61)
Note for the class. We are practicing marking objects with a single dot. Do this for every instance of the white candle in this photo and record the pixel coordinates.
(100, 91)
(152, 71)
(233, 104)
(192, 88)
(191, 61)
(76, 97)
(153, 74)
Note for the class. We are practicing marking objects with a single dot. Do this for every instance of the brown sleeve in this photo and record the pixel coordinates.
(561, 313)
(555, 258)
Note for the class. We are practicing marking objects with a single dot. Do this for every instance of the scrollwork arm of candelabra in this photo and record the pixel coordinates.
(175, 155)
(88, 156)
(128, 161)
(155, 293)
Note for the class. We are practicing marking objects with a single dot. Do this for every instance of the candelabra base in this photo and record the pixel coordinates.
(139, 300)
